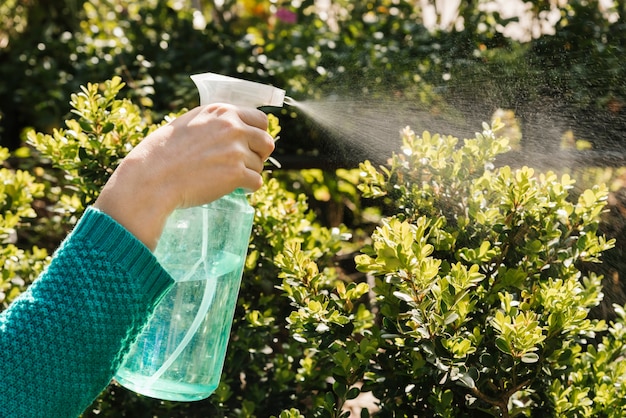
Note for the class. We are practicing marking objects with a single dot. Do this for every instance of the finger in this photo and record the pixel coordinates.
(259, 140)
(253, 181)
(253, 117)
(255, 163)
(262, 145)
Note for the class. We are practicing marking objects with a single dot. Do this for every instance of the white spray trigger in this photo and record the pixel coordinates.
(216, 88)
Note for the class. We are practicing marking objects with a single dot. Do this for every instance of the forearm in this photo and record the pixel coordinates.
(63, 339)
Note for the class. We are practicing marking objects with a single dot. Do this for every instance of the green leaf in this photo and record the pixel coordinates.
(339, 389)
(108, 127)
(465, 380)
(353, 393)
(530, 358)
(503, 345)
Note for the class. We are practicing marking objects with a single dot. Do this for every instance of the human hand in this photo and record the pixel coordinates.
(197, 158)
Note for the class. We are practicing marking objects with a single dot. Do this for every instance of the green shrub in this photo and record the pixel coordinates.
(19, 265)
(484, 306)
(91, 146)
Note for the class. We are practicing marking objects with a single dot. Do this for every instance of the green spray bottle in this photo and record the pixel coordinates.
(180, 354)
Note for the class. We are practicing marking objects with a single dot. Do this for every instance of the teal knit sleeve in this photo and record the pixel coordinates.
(62, 340)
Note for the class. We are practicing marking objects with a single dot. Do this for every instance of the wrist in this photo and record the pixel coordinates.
(136, 202)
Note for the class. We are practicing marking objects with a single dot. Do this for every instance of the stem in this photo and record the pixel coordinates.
(502, 403)
(498, 403)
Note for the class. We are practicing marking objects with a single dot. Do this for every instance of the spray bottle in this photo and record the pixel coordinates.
(180, 354)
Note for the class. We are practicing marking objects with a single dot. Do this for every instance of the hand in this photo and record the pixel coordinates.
(199, 157)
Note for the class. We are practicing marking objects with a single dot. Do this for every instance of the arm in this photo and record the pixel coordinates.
(63, 339)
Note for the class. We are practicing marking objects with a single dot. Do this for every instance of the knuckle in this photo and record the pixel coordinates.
(236, 153)
(271, 145)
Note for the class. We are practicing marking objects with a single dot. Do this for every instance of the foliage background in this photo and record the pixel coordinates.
(570, 78)
(565, 89)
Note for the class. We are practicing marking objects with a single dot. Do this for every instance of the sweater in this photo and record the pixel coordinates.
(62, 340)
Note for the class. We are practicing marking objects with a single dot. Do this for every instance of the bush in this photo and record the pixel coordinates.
(20, 265)
(481, 301)
(479, 281)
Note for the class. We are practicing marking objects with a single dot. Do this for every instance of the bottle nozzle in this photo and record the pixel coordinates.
(215, 88)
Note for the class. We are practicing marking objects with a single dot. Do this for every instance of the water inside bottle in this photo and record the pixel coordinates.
(195, 372)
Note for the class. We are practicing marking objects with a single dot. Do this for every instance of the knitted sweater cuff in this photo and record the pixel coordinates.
(125, 250)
